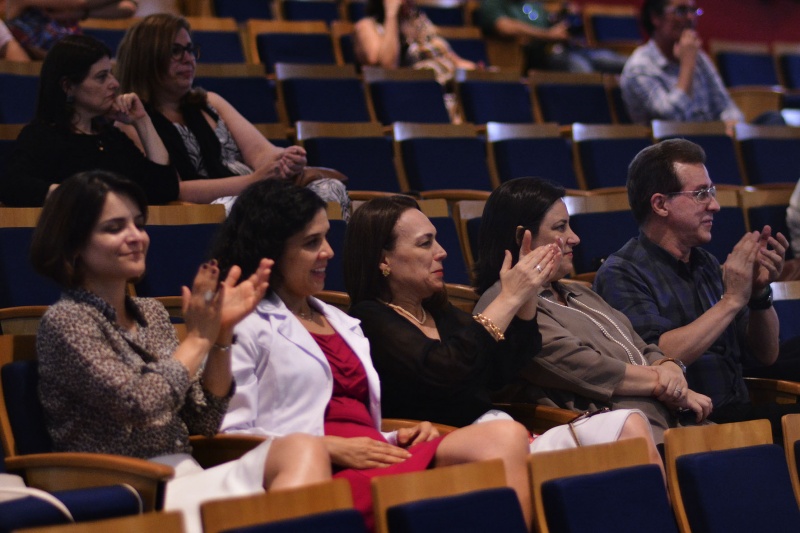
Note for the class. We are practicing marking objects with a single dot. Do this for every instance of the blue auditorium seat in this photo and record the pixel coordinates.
(247, 90)
(81, 505)
(326, 10)
(565, 97)
(494, 98)
(175, 253)
(243, 10)
(19, 283)
(721, 159)
(473, 512)
(18, 94)
(597, 242)
(341, 521)
(771, 154)
(744, 64)
(603, 152)
(590, 503)
(219, 46)
(536, 150)
(406, 95)
(362, 152)
(442, 156)
(738, 490)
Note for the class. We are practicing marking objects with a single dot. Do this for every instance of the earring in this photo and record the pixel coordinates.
(386, 271)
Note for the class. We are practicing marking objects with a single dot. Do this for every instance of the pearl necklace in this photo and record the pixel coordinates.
(406, 313)
(304, 316)
(605, 331)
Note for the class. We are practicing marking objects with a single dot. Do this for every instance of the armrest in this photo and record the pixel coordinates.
(64, 471)
(764, 390)
(393, 424)
(537, 418)
(213, 451)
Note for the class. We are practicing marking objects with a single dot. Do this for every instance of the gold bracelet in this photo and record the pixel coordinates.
(490, 326)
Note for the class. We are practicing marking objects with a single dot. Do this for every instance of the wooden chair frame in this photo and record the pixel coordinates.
(22, 320)
(755, 100)
(163, 522)
(340, 28)
(791, 434)
(763, 391)
(232, 513)
(537, 418)
(463, 211)
(388, 491)
(780, 49)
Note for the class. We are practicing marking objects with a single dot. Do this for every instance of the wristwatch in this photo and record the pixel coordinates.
(762, 301)
(672, 360)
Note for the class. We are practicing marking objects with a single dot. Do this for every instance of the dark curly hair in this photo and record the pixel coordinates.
(263, 218)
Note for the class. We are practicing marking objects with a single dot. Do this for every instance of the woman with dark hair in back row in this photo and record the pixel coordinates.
(74, 130)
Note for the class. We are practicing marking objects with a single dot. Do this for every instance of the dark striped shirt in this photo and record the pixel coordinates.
(659, 293)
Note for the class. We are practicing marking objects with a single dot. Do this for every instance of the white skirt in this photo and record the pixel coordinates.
(193, 486)
(598, 429)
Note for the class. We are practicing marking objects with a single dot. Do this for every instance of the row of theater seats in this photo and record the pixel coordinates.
(338, 93)
(728, 478)
(434, 158)
(608, 26)
(181, 235)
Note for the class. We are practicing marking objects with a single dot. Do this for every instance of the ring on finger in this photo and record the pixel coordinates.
(539, 268)
(677, 391)
(208, 296)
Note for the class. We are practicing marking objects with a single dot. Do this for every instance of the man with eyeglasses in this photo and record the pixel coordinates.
(709, 317)
(670, 77)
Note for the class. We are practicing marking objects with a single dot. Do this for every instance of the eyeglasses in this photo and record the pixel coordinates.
(177, 51)
(683, 11)
(701, 196)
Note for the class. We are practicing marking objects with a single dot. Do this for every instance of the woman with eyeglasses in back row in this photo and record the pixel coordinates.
(216, 150)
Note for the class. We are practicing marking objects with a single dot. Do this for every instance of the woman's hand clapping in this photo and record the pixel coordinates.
(212, 309)
(522, 282)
